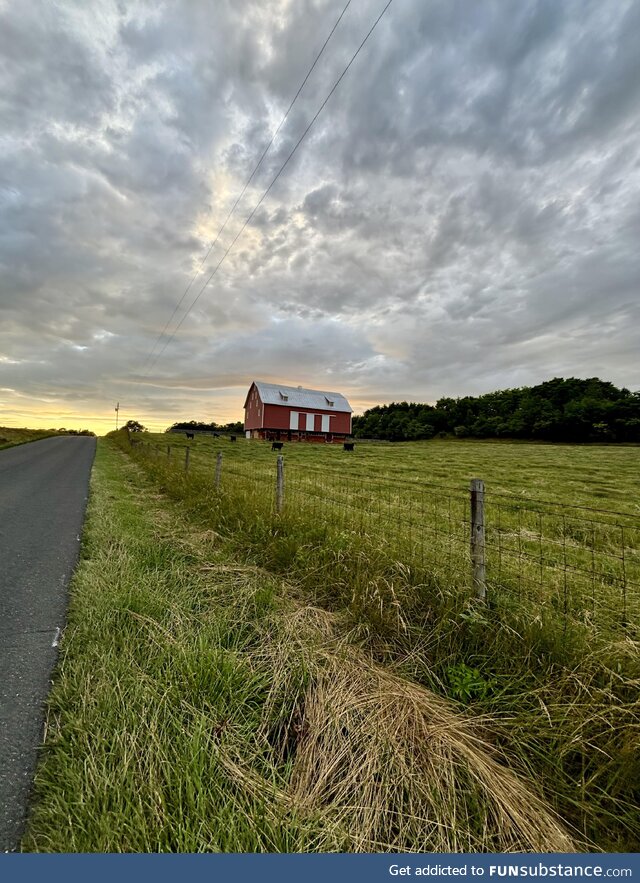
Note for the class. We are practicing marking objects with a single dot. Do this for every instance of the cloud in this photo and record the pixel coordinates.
(462, 216)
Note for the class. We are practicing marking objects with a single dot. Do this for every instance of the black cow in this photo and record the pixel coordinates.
(276, 446)
(190, 434)
(348, 446)
(232, 438)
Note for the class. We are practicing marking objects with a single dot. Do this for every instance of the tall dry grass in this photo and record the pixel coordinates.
(562, 709)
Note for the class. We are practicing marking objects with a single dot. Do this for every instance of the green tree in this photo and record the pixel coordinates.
(134, 426)
(562, 409)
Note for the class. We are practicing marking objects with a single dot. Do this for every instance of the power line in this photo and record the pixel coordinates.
(248, 181)
(280, 171)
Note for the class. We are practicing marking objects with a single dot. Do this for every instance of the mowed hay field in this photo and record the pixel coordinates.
(324, 678)
(562, 523)
(605, 476)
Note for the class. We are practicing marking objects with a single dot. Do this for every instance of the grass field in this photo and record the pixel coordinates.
(10, 436)
(562, 525)
(239, 680)
(605, 476)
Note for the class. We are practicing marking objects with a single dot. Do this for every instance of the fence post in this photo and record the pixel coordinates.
(280, 484)
(187, 453)
(218, 469)
(478, 563)
(168, 451)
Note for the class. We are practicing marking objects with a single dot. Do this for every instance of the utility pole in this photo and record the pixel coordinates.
(117, 414)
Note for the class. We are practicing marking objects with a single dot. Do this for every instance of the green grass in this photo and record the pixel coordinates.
(555, 674)
(400, 513)
(203, 702)
(9, 437)
(604, 476)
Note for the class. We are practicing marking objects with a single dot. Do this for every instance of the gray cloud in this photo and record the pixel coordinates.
(462, 217)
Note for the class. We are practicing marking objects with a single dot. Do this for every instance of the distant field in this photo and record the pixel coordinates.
(601, 476)
(562, 525)
(10, 437)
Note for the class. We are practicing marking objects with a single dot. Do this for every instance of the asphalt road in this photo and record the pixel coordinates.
(43, 495)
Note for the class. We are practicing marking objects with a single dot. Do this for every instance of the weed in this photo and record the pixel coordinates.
(467, 684)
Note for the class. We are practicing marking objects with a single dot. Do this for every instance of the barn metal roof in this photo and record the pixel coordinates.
(297, 397)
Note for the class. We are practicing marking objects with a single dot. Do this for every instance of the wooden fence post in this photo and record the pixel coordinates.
(168, 451)
(187, 453)
(478, 563)
(218, 469)
(280, 484)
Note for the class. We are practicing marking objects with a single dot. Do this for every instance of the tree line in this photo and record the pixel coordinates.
(569, 410)
(190, 425)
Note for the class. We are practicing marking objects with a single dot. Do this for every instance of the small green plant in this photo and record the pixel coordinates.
(467, 684)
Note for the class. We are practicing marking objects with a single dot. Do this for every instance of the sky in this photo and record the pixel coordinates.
(463, 215)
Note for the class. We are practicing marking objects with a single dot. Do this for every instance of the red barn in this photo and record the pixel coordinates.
(291, 413)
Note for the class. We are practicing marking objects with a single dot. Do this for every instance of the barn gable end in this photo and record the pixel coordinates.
(293, 413)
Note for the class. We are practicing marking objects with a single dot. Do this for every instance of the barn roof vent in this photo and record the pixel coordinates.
(330, 402)
(284, 396)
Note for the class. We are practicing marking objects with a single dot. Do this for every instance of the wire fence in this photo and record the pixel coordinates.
(569, 563)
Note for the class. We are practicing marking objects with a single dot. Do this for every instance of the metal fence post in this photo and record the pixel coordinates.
(478, 563)
(218, 470)
(187, 453)
(280, 484)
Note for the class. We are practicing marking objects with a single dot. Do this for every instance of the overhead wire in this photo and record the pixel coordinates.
(275, 178)
(248, 181)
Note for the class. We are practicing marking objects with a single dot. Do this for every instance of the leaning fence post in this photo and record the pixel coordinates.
(187, 452)
(218, 469)
(478, 563)
(280, 484)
